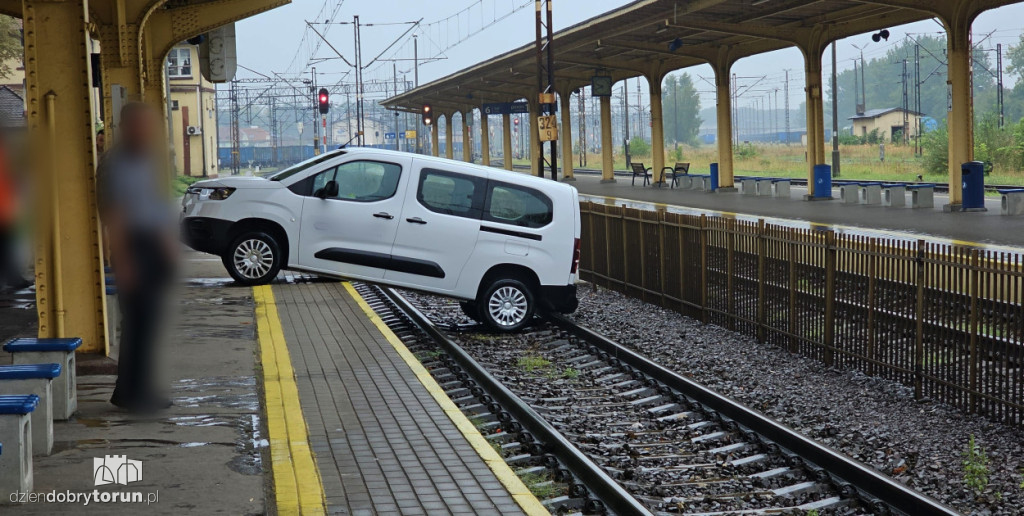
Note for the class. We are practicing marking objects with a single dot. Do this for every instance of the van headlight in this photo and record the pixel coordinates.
(213, 194)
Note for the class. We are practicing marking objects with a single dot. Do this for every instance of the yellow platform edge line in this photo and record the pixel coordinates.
(298, 488)
(515, 486)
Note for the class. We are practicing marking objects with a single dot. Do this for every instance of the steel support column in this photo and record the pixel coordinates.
(607, 162)
(506, 141)
(723, 112)
(70, 291)
(815, 113)
(567, 170)
(535, 148)
(960, 118)
(449, 136)
(485, 140)
(658, 130)
(467, 143)
(435, 147)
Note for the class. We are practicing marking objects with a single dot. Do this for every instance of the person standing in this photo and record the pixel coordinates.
(10, 269)
(139, 228)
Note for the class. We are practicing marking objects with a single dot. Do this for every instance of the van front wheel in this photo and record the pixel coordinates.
(506, 305)
(254, 258)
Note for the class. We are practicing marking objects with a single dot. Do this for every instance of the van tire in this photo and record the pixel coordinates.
(506, 305)
(471, 309)
(253, 258)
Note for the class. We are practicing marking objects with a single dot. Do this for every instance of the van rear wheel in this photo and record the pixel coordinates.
(506, 305)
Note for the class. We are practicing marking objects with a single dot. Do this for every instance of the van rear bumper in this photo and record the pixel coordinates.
(559, 298)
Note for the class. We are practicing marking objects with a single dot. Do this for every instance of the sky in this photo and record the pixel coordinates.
(461, 33)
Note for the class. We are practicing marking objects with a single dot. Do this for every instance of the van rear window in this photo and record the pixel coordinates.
(517, 205)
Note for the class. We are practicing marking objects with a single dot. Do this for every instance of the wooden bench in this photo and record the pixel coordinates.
(894, 195)
(34, 379)
(1013, 201)
(640, 170)
(16, 433)
(681, 169)
(59, 351)
(922, 195)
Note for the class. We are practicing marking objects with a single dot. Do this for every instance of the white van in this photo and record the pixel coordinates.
(506, 244)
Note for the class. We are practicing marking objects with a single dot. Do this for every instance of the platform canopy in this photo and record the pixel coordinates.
(634, 40)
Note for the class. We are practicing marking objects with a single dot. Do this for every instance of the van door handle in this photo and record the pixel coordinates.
(416, 220)
(384, 215)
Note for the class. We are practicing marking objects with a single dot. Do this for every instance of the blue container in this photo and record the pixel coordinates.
(822, 181)
(714, 177)
(973, 174)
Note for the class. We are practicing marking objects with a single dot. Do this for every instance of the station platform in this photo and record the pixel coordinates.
(981, 229)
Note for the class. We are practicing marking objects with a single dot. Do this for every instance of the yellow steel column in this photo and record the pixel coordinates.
(467, 143)
(566, 158)
(485, 140)
(607, 164)
(535, 150)
(68, 256)
(815, 114)
(449, 136)
(723, 113)
(435, 147)
(658, 130)
(960, 119)
(506, 140)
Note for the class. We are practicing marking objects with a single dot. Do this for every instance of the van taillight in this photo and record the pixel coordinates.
(575, 257)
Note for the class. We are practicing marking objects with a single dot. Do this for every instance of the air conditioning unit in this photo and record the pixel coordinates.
(194, 130)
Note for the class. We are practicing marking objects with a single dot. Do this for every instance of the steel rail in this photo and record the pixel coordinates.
(602, 486)
(868, 481)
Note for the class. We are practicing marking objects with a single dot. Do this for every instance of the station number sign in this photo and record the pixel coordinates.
(547, 126)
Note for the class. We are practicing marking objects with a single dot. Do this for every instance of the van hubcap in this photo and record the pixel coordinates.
(507, 306)
(253, 259)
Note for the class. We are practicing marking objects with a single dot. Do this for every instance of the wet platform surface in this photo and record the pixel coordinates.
(984, 229)
(383, 445)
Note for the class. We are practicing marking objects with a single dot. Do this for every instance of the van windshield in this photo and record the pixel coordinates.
(299, 167)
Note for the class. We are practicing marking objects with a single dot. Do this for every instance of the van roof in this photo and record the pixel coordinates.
(497, 173)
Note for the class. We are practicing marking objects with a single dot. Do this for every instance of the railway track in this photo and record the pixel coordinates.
(609, 430)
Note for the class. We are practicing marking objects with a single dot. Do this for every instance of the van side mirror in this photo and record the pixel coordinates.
(329, 190)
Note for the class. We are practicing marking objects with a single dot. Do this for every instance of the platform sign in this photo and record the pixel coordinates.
(547, 125)
(505, 108)
(389, 136)
(410, 135)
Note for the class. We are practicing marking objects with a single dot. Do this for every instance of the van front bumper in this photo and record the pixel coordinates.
(205, 235)
(559, 298)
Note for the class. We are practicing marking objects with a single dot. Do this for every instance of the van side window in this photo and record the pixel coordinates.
(517, 205)
(450, 193)
(360, 181)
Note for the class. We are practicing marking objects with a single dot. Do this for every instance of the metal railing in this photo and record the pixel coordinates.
(946, 320)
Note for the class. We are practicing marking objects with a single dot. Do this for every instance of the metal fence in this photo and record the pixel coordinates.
(946, 320)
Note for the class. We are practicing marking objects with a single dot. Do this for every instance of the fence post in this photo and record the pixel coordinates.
(830, 297)
(872, 284)
(919, 321)
(703, 268)
(794, 343)
(641, 226)
(661, 255)
(625, 252)
(730, 270)
(592, 232)
(682, 267)
(975, 280)
(607, 248)
(762, 252)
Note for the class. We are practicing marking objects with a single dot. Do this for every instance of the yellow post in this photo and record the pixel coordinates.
(535, 150)
(607, 164)
(506, 140)
(567, 172)
(960, 119)
(467, 145)
(658, 130)
(449, 136)
(485, 141)
(723, 112)
(815, 115)
(435, 147)
(68, 255)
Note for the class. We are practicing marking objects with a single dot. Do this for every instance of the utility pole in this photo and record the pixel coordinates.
(625, 119)
(581, 106)
(786, 95)
(735, 112)
(273, 128)
(775, 118)
(639, 110)
(359, 83)
(835, 116)
(906, 106)
(316, 110)
(235, 137)
(999, 81)
(917, 98)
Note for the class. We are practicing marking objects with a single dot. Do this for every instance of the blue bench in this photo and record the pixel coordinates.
(781, 187)
(700, 182)
(16, 431)
(849, 192)
(45, 351)
(870, 192)
(922, 195)
(1013, 201)
(35, 379)
(894, 195)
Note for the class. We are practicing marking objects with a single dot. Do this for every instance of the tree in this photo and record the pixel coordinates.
(1015, 58)
(11, 50)
(681, 108)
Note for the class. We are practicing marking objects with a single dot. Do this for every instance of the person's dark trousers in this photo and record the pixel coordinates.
(10, 270)
(141, 317)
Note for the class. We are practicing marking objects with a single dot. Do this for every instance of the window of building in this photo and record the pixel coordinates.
(517, 205)
(450, 193)
(179, 63)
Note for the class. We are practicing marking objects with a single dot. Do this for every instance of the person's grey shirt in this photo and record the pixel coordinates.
(129, 183)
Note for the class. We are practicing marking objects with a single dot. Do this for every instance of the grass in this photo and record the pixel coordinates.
(181, 183)
(975, 466)
(540, 485)
(533, 362)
